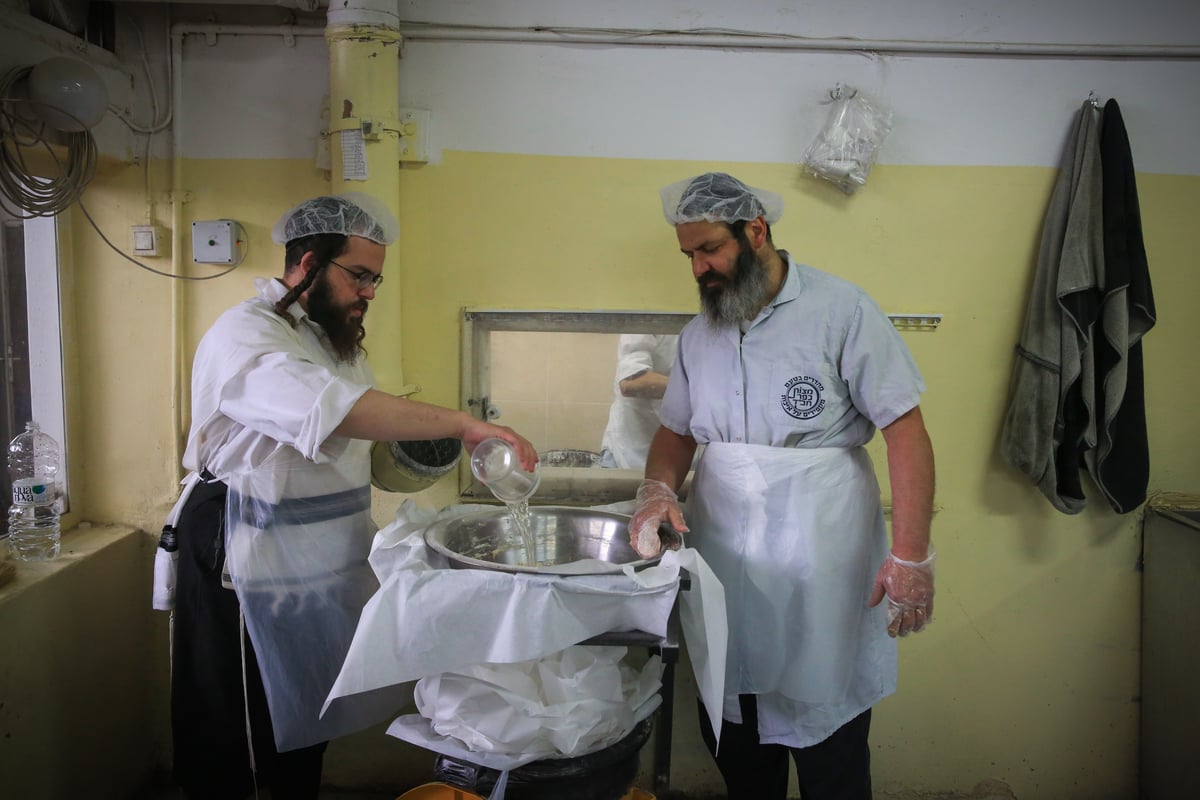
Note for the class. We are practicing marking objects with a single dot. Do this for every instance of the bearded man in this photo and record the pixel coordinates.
(276, 508)
(784, 378)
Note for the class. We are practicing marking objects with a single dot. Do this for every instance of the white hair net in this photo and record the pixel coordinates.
(351, 214)
(717, 197)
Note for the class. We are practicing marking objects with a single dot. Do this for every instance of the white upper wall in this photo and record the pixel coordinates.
(768, 106)
(252, 96)
(256, 97)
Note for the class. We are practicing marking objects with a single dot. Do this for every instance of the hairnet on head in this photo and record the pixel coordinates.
(717, 197)
(350, 214)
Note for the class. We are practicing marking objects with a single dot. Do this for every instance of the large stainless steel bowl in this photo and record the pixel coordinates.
(566, 540)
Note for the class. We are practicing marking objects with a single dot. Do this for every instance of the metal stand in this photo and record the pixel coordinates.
(472, 776)
(666, 648)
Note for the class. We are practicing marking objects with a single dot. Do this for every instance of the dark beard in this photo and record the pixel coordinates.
(729, 300)
(345, 332)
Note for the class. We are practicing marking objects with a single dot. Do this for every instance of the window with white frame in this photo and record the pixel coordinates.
(31, 337)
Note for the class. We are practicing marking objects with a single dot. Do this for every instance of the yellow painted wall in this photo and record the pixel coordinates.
(123, 463)
(83, 672)
(1029, 675)
(117, 334)
(555, 388)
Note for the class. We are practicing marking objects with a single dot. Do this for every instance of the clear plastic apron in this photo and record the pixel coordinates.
(796, 537)
(297, 539)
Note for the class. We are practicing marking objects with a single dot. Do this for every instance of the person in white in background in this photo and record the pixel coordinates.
(784, 378)
(284, 410)
(643, 363)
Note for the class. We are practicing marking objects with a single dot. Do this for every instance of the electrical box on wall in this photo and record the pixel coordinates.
(217, 242)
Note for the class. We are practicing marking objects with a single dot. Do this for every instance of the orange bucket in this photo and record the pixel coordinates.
(444, 791)
(438, 791)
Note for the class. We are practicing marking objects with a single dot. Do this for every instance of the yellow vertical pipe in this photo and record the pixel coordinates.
(364, 97)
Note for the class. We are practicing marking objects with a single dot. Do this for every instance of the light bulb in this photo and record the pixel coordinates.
(59, 85)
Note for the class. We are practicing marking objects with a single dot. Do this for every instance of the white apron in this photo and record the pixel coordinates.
(796, 536)
(296, 544)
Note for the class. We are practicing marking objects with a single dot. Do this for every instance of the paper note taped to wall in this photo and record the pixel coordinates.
(354, 156)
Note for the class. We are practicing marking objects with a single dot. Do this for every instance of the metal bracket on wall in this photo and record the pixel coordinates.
(411, 128)
(414, 135)
(916, 322)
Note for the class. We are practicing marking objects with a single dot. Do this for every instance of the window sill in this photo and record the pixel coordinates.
(79, 545)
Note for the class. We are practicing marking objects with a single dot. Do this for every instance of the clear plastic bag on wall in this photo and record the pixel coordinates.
(845, 149)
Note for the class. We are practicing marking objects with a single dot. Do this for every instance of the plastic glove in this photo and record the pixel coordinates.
(656, 504)
(909, 589)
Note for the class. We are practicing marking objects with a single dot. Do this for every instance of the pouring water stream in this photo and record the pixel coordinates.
(494, 463)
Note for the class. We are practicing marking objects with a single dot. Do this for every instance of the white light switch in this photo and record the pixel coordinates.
(145, 240)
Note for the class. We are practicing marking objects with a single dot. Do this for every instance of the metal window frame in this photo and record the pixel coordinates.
(559, 485)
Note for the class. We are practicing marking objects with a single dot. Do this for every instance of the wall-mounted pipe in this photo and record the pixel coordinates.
(432, 32)
(180, 388)
(211, 30)
(364, 138)
(726, 40)
(180, 394)
(300, 5)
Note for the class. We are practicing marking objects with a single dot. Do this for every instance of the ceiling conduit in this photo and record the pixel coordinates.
(728, 39)
(364, 137)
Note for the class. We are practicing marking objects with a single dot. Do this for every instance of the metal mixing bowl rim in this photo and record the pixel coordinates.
(556, 569)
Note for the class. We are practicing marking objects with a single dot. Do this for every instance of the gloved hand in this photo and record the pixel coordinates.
(909, 589)
(656, 504)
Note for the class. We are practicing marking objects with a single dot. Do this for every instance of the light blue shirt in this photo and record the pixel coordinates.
(820, 366)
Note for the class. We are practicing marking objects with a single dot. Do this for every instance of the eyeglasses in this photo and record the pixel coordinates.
(363, 277)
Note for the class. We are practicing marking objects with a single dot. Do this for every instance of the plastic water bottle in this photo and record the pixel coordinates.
(33, 522)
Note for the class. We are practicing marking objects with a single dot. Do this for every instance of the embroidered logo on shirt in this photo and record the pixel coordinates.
(802, 398)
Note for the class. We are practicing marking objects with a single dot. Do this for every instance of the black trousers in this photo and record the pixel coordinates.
(209, 705)
(838, 768)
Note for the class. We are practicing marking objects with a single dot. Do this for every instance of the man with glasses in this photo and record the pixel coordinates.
(784, 377)
(277, 508)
